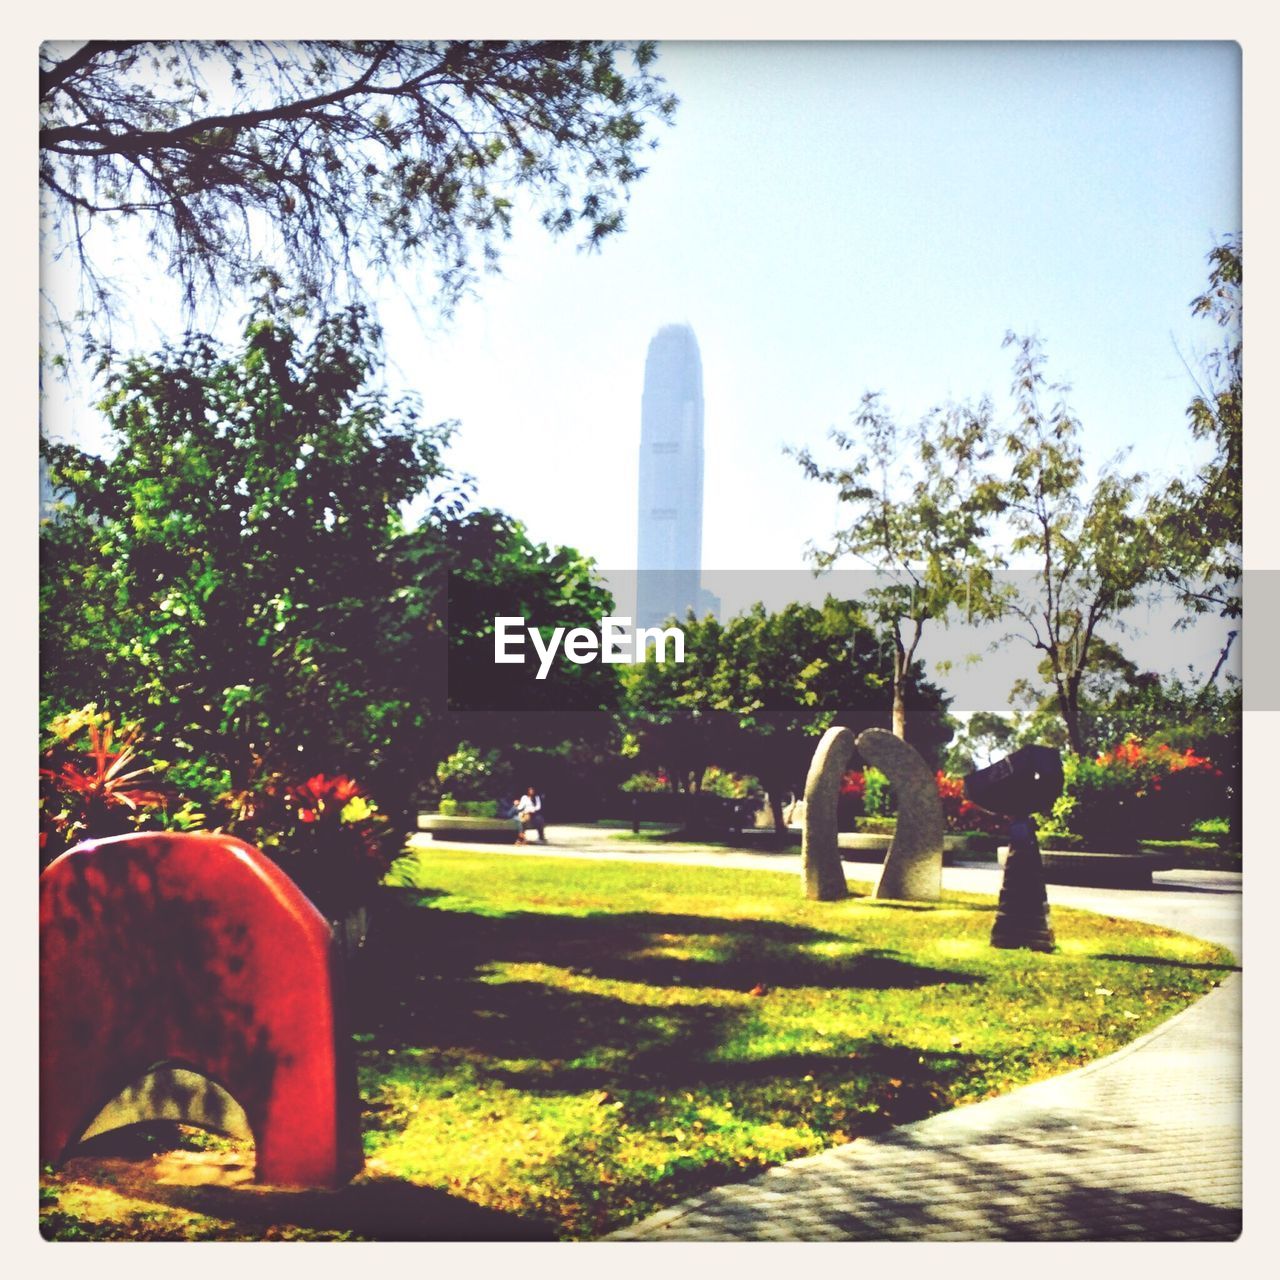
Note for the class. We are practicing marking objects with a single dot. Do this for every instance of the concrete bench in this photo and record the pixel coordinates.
(442, 826)
(866, 846)
(1098, 870)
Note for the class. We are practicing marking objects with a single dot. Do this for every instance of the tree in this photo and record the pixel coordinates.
(983, 737)
(919, 501)
(237, 575)
(1109, 681)
(1094, 548)
(496, 570)
(315, 161)
(231, 573)
(756, 693)
(558, 733)
(1200, 517)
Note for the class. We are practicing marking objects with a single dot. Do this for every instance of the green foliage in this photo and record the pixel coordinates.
(236, 572)
(1134, 790)
(1054, 828)
(920, 502)
(315, 164)
(496, 570)
(1101, 549)
(1201, 516)
(753, 694)
(94, 782)
(984, 737)
(643, 783)
(1119, 703)
(1216, 827)
(326, 833)
(232, 570)
(876, 824)
(451, 807)
(729, 786)
(876, 799)
(1094, 544)
(472, 774)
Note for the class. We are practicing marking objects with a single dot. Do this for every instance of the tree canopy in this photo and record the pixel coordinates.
(229, 573)
(1094, 544)
(919, 502)
(1201, 515)
(310, 162)
(237, 573)
(756, 692)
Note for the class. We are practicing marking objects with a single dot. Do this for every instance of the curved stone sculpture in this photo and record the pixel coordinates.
(913, 866)
(186, 976)
(819, 847)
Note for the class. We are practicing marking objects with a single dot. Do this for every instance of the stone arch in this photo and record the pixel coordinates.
(819, 840)
(913, 865)
(193, 961)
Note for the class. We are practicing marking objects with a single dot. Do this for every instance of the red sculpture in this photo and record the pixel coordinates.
(197, 951)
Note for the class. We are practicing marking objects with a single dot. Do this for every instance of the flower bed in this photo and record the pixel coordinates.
(1134, 791)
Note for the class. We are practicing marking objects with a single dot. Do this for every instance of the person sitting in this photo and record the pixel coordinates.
(529, 811)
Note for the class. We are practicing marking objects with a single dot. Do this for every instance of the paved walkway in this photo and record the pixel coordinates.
(1142, 1145)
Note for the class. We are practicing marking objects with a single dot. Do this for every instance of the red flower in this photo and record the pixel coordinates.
(105, 780)
(321, 794)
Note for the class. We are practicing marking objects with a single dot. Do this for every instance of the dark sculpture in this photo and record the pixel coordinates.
(1026, 782)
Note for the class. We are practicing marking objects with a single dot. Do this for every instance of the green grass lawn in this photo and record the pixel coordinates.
(557, 1047)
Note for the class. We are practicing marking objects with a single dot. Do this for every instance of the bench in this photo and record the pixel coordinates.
(442, 826)
(1098, 870)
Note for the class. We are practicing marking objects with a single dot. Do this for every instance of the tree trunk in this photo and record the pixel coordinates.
(899, 710)
(1070, 713)
(775, 806)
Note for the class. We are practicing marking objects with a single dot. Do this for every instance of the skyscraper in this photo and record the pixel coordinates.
(670, 536)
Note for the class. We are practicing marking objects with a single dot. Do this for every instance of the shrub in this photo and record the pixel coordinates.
(1216, 829)
(451, 807)
(877, 825)
(866, 791)
(325, 832)
(1137, 790)
(647, 783)
(93, 782)
(962, 814)
(876, 799)
(471, 774)
(729, 786)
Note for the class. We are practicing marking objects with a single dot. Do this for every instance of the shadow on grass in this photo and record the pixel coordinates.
(372, 1208)
(425, 985)
(889, 1084)
(377, 1209)
(422, 977)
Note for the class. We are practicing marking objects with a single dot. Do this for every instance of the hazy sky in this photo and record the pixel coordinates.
(836, 218)
(832, 218)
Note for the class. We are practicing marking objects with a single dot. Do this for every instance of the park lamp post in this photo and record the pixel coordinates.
(1026, 782)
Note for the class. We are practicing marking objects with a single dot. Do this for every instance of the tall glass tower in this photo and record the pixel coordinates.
(670, 541)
